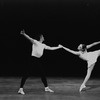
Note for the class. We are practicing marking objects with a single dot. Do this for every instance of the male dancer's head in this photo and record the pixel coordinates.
(41, 38)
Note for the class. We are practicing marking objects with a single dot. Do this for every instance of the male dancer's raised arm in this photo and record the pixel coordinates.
(24, 34)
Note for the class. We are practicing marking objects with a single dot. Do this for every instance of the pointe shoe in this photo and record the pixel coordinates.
(48, 89)
(21, 92)
(82, 87)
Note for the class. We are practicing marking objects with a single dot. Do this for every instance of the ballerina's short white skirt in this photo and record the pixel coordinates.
(92, 57)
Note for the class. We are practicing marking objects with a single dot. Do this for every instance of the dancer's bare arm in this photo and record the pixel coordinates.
(24, 34)
(71, 51)
(53, 48)
(93, 44)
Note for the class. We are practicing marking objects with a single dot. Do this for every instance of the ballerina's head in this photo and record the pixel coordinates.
(82, 47)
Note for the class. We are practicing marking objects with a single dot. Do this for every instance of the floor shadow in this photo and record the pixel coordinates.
(90, 87)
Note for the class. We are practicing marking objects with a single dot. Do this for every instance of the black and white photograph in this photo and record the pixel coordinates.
(49, 49)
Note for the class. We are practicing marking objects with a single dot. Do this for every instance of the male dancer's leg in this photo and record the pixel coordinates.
(40, 70)
(23, 80)
(25, 75)
(43, 76)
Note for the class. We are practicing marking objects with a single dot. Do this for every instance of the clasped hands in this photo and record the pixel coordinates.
(60, 46)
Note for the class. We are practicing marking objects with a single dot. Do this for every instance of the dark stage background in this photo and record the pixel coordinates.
(66, 22)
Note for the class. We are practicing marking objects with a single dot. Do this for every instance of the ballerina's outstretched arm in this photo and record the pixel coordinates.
(71, 51)
(93, 44)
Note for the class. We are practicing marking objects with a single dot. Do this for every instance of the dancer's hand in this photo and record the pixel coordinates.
(22, 32)
(60, 46)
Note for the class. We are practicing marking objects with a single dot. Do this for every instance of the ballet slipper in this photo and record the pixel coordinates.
(21, 92)
(48, 89)
(82, 87)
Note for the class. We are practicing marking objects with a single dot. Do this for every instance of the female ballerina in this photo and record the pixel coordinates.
(37, 52)
(90, 57)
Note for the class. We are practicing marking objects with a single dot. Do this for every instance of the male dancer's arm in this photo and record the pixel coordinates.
(24, 34)
(93, 44)
(53, 48)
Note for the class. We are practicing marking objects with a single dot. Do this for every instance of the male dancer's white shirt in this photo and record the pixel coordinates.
(38, 48)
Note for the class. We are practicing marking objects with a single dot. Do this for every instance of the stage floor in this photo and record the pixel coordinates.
(65, 89)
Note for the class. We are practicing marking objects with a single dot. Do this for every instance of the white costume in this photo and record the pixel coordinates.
(37, 49)
(90, 57)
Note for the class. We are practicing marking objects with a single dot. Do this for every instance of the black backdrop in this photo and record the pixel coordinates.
(66, 22)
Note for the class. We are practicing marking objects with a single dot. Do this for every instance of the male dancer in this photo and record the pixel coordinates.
(37, 52)
(90, 57)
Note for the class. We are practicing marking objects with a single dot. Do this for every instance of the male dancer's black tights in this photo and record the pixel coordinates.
(40, 70)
